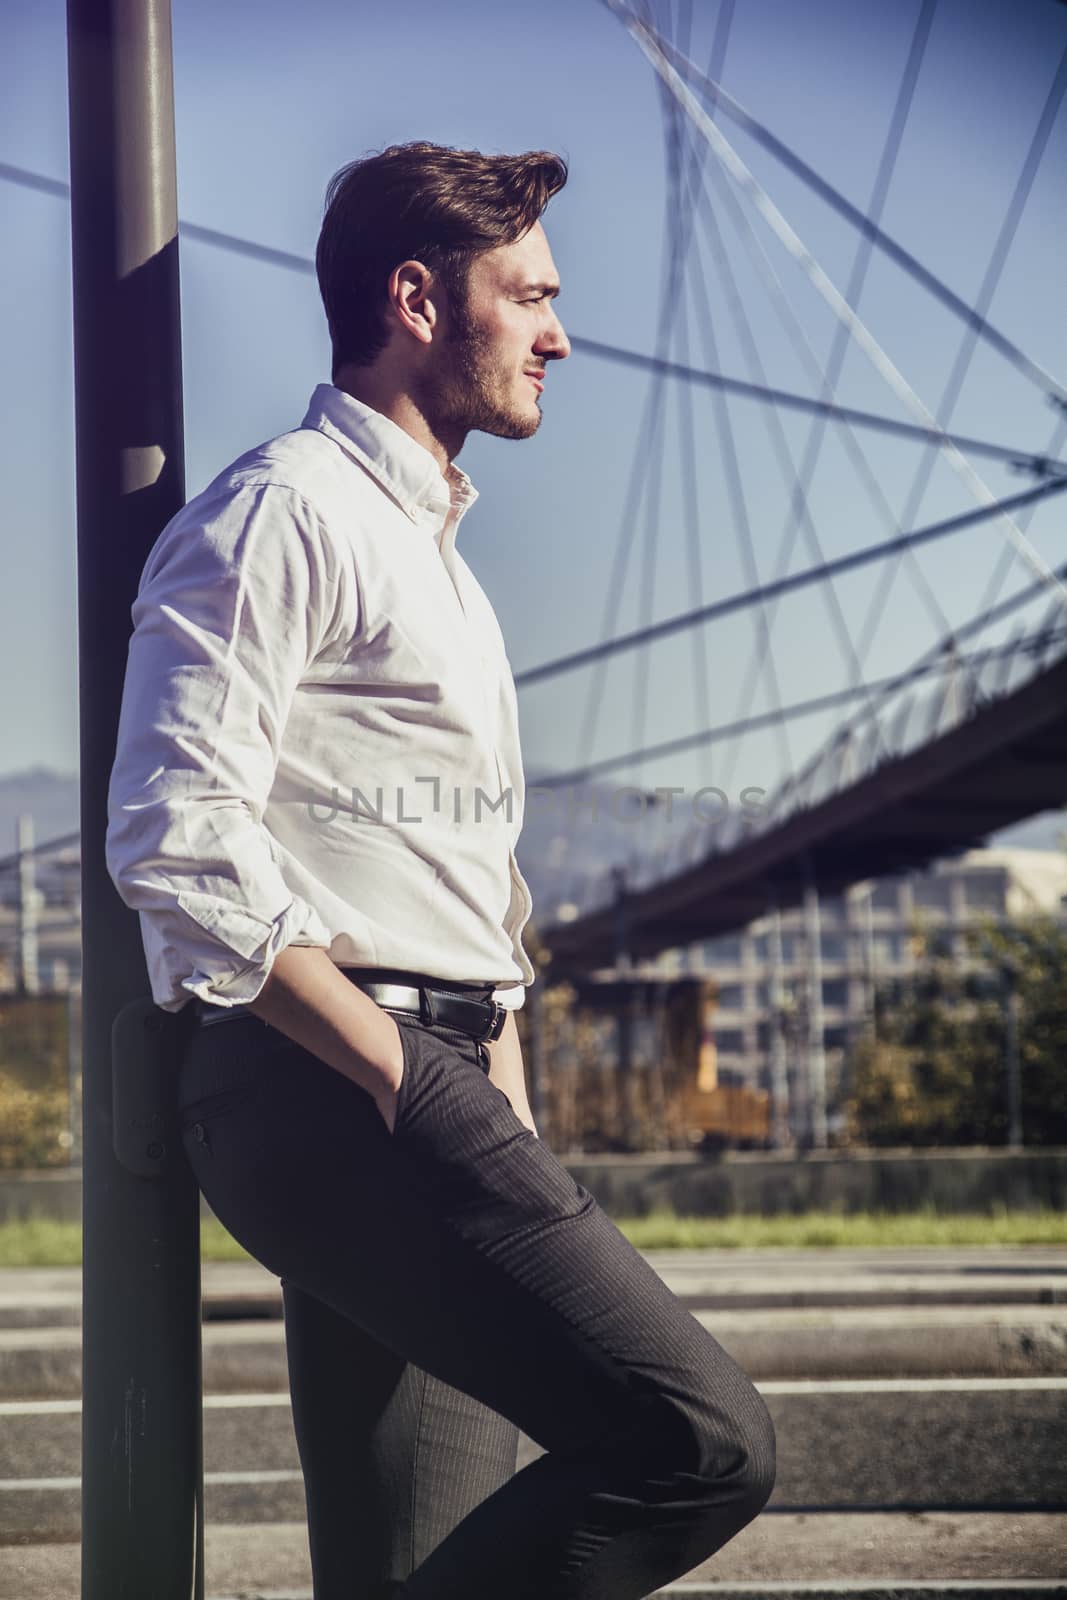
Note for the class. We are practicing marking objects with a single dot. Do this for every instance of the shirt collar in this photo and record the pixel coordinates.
(404, 468)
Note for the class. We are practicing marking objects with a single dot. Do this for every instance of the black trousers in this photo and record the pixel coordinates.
(444, 1286)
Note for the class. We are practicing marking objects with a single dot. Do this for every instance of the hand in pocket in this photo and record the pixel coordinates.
(387, 1099)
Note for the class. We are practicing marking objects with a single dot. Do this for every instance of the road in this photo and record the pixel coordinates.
(919, 1397)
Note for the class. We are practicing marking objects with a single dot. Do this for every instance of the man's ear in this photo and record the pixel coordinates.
(411, 295)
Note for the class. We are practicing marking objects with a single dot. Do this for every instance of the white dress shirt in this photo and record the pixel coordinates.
(318, 742)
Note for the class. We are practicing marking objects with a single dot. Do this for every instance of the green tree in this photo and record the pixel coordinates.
(935, 1071)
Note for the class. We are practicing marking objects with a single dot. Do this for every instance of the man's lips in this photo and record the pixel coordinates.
(538, 378)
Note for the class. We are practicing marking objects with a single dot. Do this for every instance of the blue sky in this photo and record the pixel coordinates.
(272, 98)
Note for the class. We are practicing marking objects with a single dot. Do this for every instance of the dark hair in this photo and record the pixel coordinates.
(421, 202)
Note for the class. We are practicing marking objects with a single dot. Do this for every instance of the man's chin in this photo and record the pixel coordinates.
(497, 421)
(515, 424)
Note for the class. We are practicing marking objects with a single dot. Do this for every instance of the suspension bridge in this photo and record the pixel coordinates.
(921, 761)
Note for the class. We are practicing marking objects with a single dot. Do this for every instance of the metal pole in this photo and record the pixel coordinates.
(142, 1524)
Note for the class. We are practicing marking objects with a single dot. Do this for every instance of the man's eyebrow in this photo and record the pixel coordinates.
(550, 289)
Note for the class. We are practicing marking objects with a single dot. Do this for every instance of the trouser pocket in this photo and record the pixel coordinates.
(198, 1118)
(431, 1058)
(216, 1105)
(478, 1165)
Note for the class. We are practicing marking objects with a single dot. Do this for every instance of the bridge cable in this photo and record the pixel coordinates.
(969, 343)
(648, 42)
(831, 375)
(787, 399)
(646, 450)
(679, 238)
(644, 473)
(796, 580)
(1041, 639)
(988, 604)
(1007, 555)
(883, 241)
(684, 164)
(727, 442)
(778, 440)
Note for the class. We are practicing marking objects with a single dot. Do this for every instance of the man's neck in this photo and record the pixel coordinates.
(402, 409)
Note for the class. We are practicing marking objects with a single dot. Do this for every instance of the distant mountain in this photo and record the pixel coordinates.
(52, 799)
(560, 859)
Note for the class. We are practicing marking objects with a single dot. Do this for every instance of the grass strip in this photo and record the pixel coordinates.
(41, 1243)
(821, 1230)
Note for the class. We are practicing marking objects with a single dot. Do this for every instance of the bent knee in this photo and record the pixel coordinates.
(738, 1448)
(760, 1464)
(725, 1443)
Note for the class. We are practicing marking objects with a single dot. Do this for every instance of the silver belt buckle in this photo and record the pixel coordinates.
(500, 1017)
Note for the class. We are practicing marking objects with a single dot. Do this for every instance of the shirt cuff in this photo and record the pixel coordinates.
(250, 936)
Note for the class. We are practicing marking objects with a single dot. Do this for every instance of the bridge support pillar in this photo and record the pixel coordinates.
(780, 1133)
(816, 1050)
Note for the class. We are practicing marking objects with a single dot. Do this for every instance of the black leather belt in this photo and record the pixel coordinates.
(482, 1018)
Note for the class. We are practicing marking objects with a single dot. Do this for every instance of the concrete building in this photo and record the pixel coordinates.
(874, 932)
(40, 918)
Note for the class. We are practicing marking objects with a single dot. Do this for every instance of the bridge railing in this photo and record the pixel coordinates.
(897, 724)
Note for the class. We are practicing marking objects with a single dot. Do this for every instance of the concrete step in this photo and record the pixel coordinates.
(919, 1444)
(764, 1279)
(727, 1280)
(861, 1556)
(901, 1342)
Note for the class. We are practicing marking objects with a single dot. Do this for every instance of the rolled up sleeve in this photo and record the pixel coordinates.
(233, 604)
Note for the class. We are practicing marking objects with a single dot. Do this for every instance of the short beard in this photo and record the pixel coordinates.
(463, 395)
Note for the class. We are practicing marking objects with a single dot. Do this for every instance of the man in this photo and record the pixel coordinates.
(314, 807)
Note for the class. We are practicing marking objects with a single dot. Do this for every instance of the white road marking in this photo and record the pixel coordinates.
(267, 1475)
(242, 1402)
(946, 1586)
(907, 1385)
(212, 1402)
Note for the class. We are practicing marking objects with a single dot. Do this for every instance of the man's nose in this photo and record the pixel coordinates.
(553, 342)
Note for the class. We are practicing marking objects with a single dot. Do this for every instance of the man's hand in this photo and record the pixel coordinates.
(308, 998)
(386, 1102)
